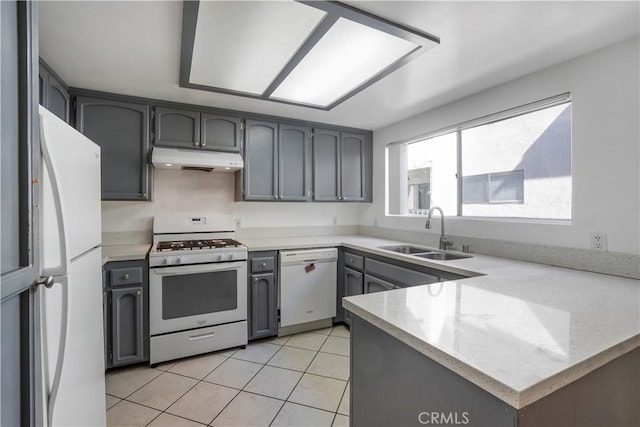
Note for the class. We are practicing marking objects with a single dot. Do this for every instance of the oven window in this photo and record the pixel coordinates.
(200, 293)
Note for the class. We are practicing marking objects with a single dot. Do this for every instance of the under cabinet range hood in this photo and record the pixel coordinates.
(207, 161)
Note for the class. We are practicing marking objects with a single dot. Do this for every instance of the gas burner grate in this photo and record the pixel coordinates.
(189, 245)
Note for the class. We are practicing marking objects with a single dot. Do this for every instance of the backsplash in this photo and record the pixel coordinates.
(177, 191)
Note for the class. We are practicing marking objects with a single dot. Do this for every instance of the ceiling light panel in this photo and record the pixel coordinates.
(347, 56)
(243, 45)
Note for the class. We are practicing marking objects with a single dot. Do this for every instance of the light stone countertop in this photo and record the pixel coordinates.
(516, 329)
(124, 252)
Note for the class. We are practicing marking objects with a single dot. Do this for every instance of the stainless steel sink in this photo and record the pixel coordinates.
(441, 256)
(405, 249)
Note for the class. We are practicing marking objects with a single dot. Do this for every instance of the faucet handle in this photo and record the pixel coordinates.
(445, 242)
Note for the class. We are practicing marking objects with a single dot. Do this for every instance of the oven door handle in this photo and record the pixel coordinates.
(198, 268)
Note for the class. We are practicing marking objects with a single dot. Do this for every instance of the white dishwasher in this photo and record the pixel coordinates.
(307, 285)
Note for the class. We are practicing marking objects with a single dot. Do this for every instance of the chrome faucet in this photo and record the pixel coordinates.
(444, 241)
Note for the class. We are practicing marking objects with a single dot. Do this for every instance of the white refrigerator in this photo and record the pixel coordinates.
(70, 358)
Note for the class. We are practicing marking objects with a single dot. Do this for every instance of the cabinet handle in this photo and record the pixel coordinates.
(263, 265)
(138, 293)
(46, 281)
(125, 277)
(202, 144)
(255, 280)
(196, 144)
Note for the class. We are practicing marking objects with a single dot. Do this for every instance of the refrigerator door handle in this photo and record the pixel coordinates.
(63, 268)
(55, 383)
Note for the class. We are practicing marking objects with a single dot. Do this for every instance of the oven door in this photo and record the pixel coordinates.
(194, 296)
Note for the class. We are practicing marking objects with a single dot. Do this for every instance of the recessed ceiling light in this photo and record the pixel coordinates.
(312, 53)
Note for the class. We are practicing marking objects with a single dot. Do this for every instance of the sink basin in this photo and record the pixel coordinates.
(405, 249)
(441, 256)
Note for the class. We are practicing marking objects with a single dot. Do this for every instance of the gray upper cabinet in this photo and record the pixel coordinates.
(277, 165)
(196, 130)
(326, 165)
(121, 129)
(220, 133)
(177, 128)
(338, 166)
(54, 95)
(293, 164)
(260, 168)
(352, 162)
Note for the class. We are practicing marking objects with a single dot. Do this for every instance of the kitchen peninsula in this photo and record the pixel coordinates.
(515, 343)
(524, 344)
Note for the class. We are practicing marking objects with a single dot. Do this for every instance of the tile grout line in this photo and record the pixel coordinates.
(196, 384)
(247, 383)
(238, 391)
(299, 379)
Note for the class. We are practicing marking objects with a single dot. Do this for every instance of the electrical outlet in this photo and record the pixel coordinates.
(599, 241)
(238, 222)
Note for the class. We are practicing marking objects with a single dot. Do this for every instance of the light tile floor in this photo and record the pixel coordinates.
(301, 380)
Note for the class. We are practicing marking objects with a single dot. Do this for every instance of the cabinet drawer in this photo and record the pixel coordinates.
(399, 275)
(125, 276)
(353, 261)
(262, 264)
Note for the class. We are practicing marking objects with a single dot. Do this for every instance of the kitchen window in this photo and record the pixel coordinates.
(514, 164)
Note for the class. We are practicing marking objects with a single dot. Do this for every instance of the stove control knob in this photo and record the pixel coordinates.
(178, 259)
(224, 257)
(165, 261)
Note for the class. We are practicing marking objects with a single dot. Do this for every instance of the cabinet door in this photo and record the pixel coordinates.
(373, 284)
(19, 168)
(326, 165)
(122, 131)
(353, 285)
(54, 96)
(127, 330)
(220, 133)
(352, 154)
(177, 128)
(105, 320)
(262, 306)
(261, 168)
(293, 153)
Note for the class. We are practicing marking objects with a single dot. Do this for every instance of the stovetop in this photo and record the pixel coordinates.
(190, 245)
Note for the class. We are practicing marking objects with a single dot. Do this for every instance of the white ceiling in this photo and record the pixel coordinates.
(133, 48)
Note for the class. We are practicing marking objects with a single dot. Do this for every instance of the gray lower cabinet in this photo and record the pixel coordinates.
(126, 313)
(353, 285)
(375, 284)
(54, 94)
(262, 295)
(384, 275)
(416, 388)
(277, 165)
(350, 281)
(338, 166)
(121, 128)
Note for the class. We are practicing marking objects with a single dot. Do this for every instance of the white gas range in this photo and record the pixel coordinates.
(197, 286)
